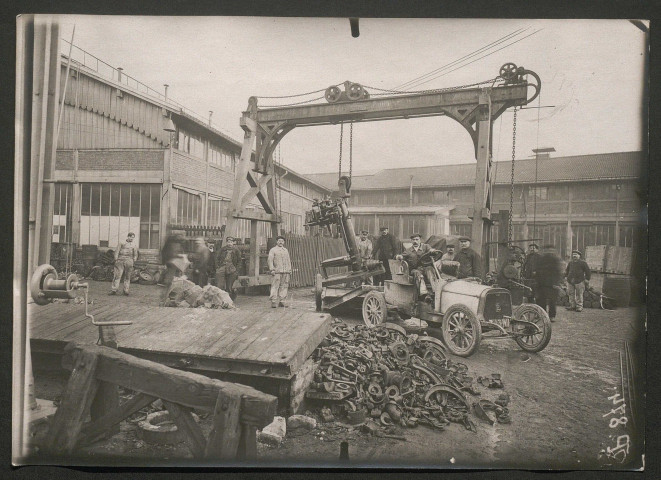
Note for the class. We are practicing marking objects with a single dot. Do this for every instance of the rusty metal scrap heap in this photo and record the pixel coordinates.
(397, 379)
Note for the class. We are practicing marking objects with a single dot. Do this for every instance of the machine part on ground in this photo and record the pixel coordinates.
(406, 379)
(533, 327)
(461, 330)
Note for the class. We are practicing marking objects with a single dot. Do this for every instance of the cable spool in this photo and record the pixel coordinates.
(44, 285)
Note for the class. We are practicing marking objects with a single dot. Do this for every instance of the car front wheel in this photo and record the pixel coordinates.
(461, 330)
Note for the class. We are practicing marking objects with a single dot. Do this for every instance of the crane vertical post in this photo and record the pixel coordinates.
(482, 205)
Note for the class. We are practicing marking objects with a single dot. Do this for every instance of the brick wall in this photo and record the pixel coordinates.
(221, 182)
(188, 171)
(111, 160)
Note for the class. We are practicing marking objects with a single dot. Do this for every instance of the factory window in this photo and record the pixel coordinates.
(296, 188)
(109, 211)
(397, 197)
(221, 158)
(364, 222)
(367, 198)
(415, 224)
(539, 192)
(189, 208)
(392, 222)
(189, 143)
(461, 229)
(62, 215)
(217, 212)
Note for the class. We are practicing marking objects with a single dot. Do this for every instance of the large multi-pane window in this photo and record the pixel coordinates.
(221, 158)
(62, 213)
(189, 208)
(415, 224)
(189, 143)
(365, 222)
(217, 212)
(109, 211)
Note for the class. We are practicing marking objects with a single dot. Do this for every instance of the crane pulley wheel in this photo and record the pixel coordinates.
(508, 72)
(355, 91)
(333, 94)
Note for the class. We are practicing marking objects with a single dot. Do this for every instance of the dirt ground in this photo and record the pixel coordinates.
(559, 404)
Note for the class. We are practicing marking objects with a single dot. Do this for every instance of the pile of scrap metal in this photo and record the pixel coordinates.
(396, 379)
(143, 272)
(184, 293)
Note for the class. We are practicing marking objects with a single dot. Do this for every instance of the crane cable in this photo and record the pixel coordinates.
(509, 232)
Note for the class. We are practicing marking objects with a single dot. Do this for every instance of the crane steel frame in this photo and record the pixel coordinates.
(475, 109)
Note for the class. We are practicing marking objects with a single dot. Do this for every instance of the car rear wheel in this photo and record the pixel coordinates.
(461, 330)
(530, 341)
(375, 310)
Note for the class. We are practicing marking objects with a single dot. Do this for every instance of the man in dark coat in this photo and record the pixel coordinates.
(200, 260)
(530, 267)
(548, 275)
(228, 261)
(578, 279)
(172, 256)
(385, 249)
(412, 256)
(470, 262)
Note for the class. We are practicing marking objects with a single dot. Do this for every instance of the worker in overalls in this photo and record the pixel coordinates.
(125, 255)
(280, 267)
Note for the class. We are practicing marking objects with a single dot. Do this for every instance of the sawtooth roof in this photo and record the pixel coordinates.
(603, 166)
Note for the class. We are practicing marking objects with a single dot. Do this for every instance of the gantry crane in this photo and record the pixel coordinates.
(474, 107)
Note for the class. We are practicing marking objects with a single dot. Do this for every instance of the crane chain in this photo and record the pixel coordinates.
(509, 232)
(341, 133)
(350, 151)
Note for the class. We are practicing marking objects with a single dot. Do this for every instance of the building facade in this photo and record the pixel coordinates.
(571, 202)
(130, 159)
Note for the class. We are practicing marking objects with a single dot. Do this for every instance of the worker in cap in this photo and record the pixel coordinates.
(385, 249)
(200, 262)
(228, 261)
(529, 268)
(578, 279)
(125, 255)
(548, 275)
(365, 249)
(280, 267)
(412, 256)
(470, 262)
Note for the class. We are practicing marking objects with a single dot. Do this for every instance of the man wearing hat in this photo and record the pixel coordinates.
(385, 249)
(412, 256)
(365, 249)
(448, 256)
(200, 262)
(228, 261)
(578, 279)
(548, 275)
(470, 262)
(530, 267)
(280, 267)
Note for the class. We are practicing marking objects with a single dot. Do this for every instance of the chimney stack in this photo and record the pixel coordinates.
(166, 91)
(543, 153)
(210, 113)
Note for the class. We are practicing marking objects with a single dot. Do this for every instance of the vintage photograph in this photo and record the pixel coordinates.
(330, 242)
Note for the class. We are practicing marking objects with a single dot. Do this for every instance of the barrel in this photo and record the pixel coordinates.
(618, 287)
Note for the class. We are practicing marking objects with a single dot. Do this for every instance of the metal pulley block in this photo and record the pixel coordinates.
(45, 286)
(400, 352)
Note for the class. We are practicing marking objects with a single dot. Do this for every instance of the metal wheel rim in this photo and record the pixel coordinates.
(460, 332)
(536, 338)
(373, 311)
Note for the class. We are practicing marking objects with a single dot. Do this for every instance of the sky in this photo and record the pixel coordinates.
(592, 74)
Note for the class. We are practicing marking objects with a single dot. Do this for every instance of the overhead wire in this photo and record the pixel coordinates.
(479, 58)
(410, 83)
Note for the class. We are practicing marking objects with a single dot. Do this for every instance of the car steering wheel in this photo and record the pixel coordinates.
(428, 258)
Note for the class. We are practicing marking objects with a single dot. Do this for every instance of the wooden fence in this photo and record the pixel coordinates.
(307, 254)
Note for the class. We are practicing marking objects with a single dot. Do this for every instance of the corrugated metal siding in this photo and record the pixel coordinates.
(131, 112)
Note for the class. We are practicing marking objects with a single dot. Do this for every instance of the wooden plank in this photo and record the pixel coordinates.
(225, 432)
(85, 331)
(68, 325)
(218, 348)
(256, 334)
(64, 319)
(282, 337)
(185, 388)
(154, 325)
(312, 341)
(292, 340)
(215, 331)
(288, 320)
(68, 419)
(91, 431)
(186, 423)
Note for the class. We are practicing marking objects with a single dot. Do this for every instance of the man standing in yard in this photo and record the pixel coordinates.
(385, 249)
(280, 267)
(173, 257)
(125, 255)
(200, 261)
(470, 263)
(530, 267)
(365, 250)
(228, 262)
(548, 275)
(578, 279)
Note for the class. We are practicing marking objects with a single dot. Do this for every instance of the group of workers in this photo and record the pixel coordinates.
(543, 272)
(206, 266)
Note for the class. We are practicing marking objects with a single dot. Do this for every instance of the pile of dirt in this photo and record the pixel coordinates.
(184, 293)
